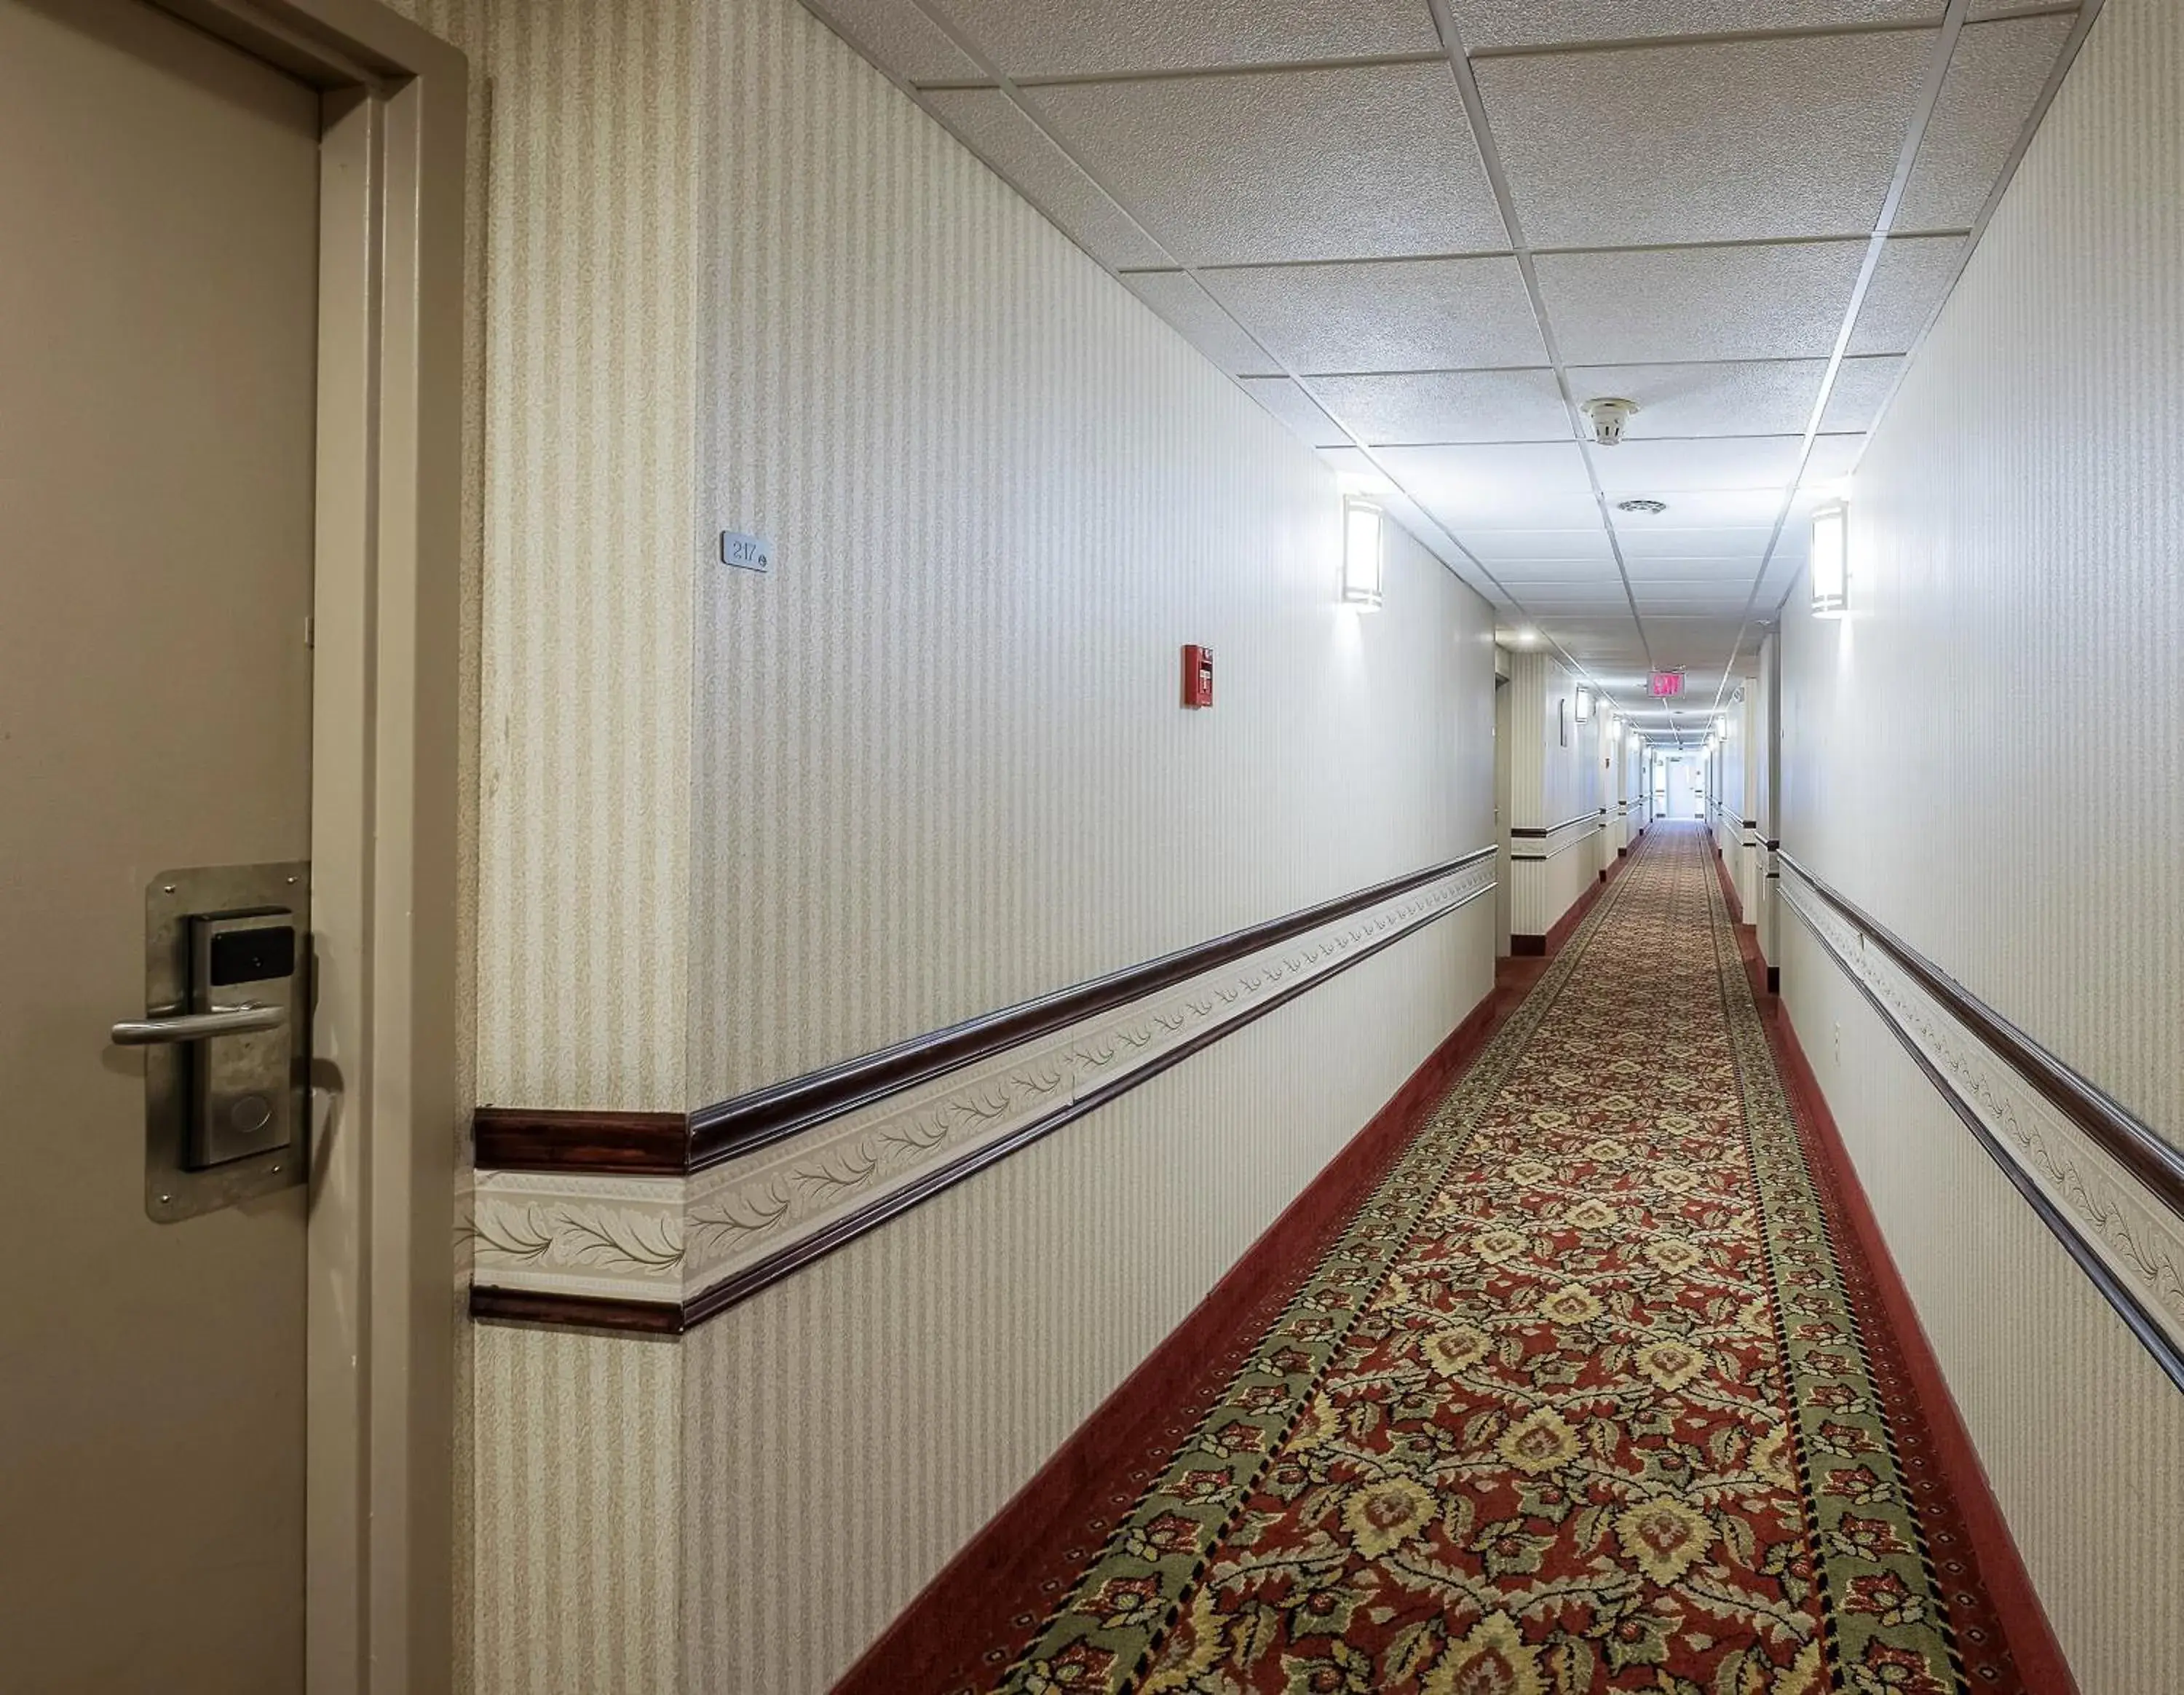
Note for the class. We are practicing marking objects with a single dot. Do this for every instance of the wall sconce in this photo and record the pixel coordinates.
(1361, 553)
(1832, 560)
(1721, 727)
(1584, 704)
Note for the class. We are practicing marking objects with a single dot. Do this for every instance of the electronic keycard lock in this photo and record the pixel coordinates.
(225, 1035)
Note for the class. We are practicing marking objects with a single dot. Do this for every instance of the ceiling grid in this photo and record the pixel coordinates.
(1423, 233)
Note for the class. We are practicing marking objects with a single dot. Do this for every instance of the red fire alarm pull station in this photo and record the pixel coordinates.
(1197, 675)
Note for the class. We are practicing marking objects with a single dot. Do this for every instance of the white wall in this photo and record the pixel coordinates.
(941, 766)
(733, 827)
(1554, 781)
(1985, 759)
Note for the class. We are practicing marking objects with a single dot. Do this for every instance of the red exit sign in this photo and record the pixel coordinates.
(1662, 683)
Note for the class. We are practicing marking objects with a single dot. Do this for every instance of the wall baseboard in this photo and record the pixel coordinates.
(2031, 1638)
(973, 1597)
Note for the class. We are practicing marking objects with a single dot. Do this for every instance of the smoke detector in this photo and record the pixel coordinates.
(1609, 414)
(1650, 508)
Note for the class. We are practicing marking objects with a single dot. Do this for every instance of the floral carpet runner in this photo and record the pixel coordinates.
(1579, 1402)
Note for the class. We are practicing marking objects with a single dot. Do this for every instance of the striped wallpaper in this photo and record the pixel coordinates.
(1551, 782)
(940, 765)
(1987, 760)
(728, 827)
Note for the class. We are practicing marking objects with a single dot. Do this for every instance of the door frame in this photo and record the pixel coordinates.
(387, 712)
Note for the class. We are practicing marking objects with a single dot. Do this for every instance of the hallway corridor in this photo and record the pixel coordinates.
(1592, 1394)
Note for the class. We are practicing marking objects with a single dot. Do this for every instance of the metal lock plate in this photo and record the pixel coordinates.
(239, 1102)
(224, 1116)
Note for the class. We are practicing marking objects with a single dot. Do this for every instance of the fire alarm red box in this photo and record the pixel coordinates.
(1197, 675)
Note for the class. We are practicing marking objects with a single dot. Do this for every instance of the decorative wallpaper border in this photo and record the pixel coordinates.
(2127, 1237)
(674, 1249)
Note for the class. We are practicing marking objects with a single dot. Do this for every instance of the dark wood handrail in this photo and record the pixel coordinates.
(2126, 1139)
(518, 1139)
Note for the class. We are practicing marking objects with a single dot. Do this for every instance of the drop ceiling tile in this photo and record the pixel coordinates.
(1834, 458)
(1641, 541)
(1714, 141)
(1739, 398)
(1709, 303)
(1450, 406)
(1913, 275)
(1981, 9)
(1293, 407)
(998, 131)
(1710, 606)
(1862, 387)
(1709, 509)
(1202, 322)
(1095, 37)
(1994, 80)
(1350, 162)
(1642, 568)
(1402, 315)
(1539, 23)
(1585, 597)
(1536, 486)
(1718, 462)
(1515, 547)
(896, 35)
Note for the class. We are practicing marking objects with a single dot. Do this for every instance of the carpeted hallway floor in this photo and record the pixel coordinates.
(1587, 1397)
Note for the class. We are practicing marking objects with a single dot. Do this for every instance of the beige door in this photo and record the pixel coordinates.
(158, 243)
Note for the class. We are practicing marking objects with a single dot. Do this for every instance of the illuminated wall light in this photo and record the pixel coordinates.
(1584, 704)
(1832, 560)
(1361, 554)
(1721, 726)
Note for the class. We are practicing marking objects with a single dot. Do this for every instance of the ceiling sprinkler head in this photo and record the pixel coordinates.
(1608, 416)
(1650, 508)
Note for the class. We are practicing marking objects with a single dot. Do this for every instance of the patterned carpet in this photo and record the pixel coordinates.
(1584, 1398)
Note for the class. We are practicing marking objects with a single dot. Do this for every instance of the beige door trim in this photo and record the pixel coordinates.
(385, 854)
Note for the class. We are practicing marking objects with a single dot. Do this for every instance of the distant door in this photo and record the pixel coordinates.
(158, 250)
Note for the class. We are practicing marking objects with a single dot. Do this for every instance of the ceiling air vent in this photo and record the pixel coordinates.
(1609, 414)
(1650, 508)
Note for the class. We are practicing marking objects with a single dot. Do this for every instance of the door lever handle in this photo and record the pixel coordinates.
(197, 1027)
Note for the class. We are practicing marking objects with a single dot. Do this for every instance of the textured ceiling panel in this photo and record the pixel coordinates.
(1293, 407)
(1907, 286)
(1712, 575)
(1862, 386)
(1834, 458)
(1732, 509)
(1499, 548)
(1534, 23)
(1539, 486)
(1450, 406)
(1712, 142)
(1994, 81)
(1721, 462)
(898, 37)
(1414, 315)
(1352, 162)
(1748, 398)
(1092, 37)
(1209, 329)
(1735, 303)
(998, 131)
(1653, 539)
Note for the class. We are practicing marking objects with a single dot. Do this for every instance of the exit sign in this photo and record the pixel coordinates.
(1662, 683)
